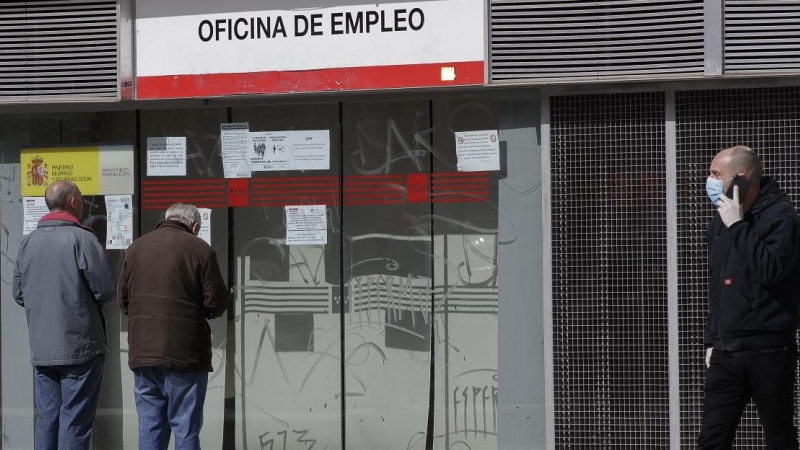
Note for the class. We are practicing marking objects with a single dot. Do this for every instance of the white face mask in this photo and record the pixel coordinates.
(714, 188)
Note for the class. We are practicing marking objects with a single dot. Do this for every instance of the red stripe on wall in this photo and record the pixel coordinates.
(282, 191)
(336, 79)
(205, 193)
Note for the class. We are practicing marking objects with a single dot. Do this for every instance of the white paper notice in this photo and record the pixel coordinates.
(205, 225)
(235, 141)
(290, 150)
(478, 151)
(166, 156)
(306, 225)
(119, 222)
(33, 208)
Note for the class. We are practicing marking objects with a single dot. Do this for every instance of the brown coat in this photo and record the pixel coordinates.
(169, 286)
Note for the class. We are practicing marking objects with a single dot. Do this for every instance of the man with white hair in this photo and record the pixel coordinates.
(170, 286)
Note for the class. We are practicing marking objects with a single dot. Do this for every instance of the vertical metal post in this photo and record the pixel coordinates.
(547, 267)
(714, 36)
(672, 272)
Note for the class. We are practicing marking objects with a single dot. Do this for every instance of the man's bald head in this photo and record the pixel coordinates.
(62, 195)
(741, 159)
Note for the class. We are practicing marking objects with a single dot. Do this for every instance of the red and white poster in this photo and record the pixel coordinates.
(206, 48)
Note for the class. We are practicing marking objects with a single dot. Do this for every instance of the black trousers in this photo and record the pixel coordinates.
(765, 375)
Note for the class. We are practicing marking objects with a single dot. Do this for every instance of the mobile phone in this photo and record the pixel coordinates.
(740, 181)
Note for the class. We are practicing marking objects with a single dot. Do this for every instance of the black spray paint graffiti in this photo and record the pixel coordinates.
(300, 441)
(482, 402)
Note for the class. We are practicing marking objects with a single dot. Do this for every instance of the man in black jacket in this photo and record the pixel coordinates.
(754, 249)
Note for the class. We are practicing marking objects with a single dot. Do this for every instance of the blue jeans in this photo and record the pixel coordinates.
(168, 399)
(66, 398)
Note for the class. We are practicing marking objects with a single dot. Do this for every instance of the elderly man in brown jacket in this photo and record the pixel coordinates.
(169, 286)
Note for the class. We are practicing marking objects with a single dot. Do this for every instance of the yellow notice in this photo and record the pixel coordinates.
(42, 166)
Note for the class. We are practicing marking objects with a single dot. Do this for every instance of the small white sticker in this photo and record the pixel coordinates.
(205, 225)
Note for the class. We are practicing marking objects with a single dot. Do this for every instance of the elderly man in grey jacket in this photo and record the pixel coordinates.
(63, 278)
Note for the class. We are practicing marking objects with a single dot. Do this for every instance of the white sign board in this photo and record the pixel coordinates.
(119, 221)
(478, 151)
(290, 150)
(195, 48)
(235, 142)
(306, 225)
(33, 209)
(166, 156)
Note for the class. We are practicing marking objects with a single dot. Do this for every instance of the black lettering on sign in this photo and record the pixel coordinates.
(420, 19)
(372, 19)
(300, 25)
(358, 22)
(279, 28)
(243, 35)
(316, 24)
(336, 22)
(400, 20)
(354, 23)
(205, 31)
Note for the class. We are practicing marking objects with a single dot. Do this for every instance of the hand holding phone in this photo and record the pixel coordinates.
(743, 184)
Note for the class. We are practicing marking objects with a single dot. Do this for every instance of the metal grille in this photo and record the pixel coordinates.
(58, 50)
(768, 120)
(762, 35)
(549, 39)
(610, 347)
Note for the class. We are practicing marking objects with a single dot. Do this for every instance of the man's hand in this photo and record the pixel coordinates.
(708, 357)
(730, 209)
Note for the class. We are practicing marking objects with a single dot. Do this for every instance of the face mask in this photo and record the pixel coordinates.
(714, 189)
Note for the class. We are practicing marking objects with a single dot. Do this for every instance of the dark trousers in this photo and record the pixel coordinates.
(765, 375)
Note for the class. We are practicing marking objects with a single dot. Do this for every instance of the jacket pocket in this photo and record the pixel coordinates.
(739, 311)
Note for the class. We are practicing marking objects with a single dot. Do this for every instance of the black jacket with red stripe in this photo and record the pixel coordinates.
(754, 294)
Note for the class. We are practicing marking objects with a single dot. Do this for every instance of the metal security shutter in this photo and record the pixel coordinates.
(767, 120)
(58, 50)
(554, 39)
(609, 280)
(762, 35)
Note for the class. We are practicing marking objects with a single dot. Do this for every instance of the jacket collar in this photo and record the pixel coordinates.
(770, 194)
(173, 224)
(62, 217)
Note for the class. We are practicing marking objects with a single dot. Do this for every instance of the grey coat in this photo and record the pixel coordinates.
(63, 277)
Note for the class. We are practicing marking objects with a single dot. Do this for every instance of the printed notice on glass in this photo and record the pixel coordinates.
(478, 151)
(306, 225)
(33, 208)
(205, 225)
(166, 156)
(119, 222)
(290, 150)
(235, 141)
